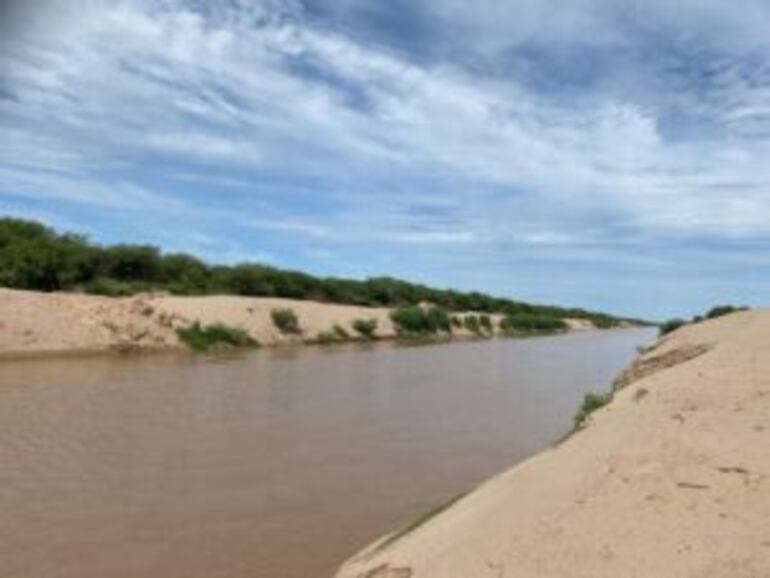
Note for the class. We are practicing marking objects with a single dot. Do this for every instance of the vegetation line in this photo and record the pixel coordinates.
(33, 256)
(713, 313)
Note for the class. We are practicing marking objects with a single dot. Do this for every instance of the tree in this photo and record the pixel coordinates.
(133, 263)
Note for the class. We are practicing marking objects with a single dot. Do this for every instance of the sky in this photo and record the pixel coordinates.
(608, 154)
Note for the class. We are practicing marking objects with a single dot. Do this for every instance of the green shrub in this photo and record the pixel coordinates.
(591, 402)
(529, 323)
(185, 275)
(341, 332)
(604, 321)
(327, 337)
(421, 321)
(472, 323)
(410, 319)
(457, 322)
(365, 327)
(285, 320)
(671, 325)
(46, 264)
(336, 334)
(721, 310)
(110, 287)
(713, 313)
(485, 321)
(218, 335)
(438, 320)
(133, 263)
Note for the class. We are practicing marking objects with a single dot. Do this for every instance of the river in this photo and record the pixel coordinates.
(272, 464)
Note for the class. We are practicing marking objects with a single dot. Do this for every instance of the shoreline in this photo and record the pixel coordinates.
(36, 325)
(671, 478)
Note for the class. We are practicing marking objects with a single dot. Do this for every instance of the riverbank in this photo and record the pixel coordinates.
(671, 479)
(34, 323)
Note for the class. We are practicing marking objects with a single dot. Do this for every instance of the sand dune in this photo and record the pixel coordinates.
(33, 323)
(672, 479)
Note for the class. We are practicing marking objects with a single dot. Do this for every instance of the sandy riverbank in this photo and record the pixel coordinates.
(33, 323)
(672, 479)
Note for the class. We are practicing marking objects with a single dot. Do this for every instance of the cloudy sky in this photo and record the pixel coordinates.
(611, 154)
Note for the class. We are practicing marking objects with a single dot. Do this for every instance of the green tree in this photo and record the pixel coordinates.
(133, 263)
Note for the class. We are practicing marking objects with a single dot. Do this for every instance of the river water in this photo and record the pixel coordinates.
(274, 464)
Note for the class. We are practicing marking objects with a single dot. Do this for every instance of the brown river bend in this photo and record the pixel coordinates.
(274, 464)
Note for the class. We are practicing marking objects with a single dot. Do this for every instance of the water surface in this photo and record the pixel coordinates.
(276, 464)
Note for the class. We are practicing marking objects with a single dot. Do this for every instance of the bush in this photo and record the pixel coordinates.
(604, 322)
(457, 322)
(410, 319)
(671, 325)
(341, 332)
(438, 320)
(185, 275)
(203, 338)
(46, 264)
(721, 310)
(365, 327)
(713, 313)
(111, 287)
(420, 321)
(327, 337)
(133, 263)
(529, 323)
(13, 231)
(285, 320)
(472, 323)
(485, 321)
(591, 402)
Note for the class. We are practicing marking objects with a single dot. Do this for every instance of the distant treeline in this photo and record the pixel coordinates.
(33, 256)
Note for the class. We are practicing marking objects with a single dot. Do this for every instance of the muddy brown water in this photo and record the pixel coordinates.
(275, 464)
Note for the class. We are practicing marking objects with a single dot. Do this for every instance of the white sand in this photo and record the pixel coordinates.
(671, 480)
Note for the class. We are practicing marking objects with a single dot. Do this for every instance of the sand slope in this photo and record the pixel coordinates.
(671, 480)
(33, 323)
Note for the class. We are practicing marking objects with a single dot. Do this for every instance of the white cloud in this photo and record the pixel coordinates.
(290, 226)
(254, 87)
(85, 190)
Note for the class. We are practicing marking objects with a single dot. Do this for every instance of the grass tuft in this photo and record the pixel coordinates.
(285, 320)
(591, 402)
(341, 333)
(365, 327)
(327, 338)
(202, 338)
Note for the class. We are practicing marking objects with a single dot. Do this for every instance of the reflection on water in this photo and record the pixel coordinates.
(275, 464)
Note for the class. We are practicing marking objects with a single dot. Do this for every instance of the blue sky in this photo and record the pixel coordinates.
(601, 153)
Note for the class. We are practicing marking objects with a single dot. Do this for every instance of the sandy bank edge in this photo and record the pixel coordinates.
(34, 324)
(669, 480)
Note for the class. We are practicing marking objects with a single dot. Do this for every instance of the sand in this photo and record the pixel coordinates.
(670, 480)
(33, 323)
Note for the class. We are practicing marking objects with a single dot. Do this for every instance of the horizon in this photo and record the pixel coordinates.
(598, 155)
